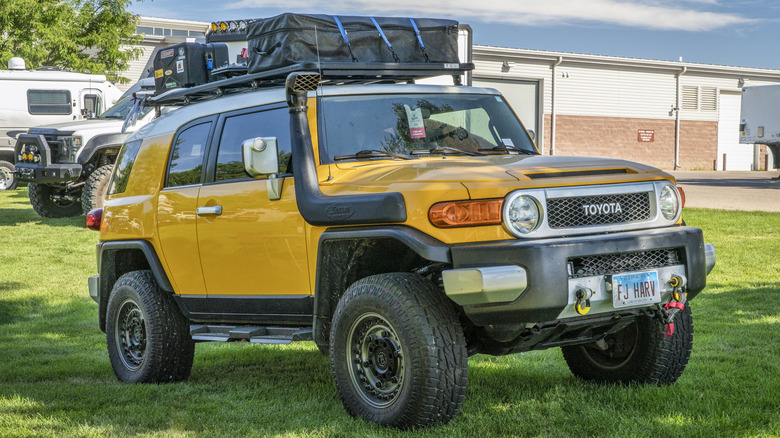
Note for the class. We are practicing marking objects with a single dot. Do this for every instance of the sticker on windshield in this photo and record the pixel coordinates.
(508, 142)
(416, 127)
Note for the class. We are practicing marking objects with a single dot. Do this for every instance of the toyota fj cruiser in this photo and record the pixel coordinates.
(400, 227)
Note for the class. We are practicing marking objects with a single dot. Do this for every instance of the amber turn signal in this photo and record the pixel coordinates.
(466, 213)
(682, 196)
(94, 218)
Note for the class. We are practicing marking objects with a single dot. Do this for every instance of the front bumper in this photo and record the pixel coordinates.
(43, 171)
(545, 288)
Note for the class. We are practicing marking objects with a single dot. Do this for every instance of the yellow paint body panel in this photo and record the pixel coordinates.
(256, 245)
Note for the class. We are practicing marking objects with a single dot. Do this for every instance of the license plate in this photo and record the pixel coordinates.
(635, 289)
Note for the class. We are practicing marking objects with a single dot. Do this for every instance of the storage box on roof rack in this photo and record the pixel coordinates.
(187, 64)
(289, 39)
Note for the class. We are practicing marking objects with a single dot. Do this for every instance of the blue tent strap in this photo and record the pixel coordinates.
(419, 39)
(346, 39)
(389, 46)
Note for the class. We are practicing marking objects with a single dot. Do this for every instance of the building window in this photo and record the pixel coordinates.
(144, 30)
(48, 102)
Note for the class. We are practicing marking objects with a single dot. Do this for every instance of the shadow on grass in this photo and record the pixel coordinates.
(14, 216)
(19, 211)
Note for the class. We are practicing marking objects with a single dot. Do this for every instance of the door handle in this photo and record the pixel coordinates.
(205, 211)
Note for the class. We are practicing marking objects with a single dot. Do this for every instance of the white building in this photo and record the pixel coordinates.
(667, 114)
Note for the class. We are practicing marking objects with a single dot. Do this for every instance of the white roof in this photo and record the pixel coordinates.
(49, 76)
(507, 54)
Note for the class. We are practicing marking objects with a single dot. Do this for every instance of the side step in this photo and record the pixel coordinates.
(256, 334)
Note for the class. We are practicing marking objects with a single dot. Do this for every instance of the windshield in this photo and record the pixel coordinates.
(418, 124)
(122, 108)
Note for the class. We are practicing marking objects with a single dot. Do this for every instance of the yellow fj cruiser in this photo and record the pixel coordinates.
(401, 227)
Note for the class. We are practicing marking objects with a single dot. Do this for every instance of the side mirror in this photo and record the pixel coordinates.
(260, 156)
(532, 134)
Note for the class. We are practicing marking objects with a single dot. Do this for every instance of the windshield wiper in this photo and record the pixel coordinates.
(372, 153)
(443, 149)
(505, 148)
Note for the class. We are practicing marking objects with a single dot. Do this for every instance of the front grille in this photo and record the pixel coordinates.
(607, 264)
(575, 173)
(583, 211)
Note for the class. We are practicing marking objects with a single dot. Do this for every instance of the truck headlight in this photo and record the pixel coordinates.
(522, 214)
(71, 149)
(669, 202)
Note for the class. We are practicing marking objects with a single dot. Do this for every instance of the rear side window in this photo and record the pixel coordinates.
(124, 165)
(237, 129)
(186, 162)
(48, 102)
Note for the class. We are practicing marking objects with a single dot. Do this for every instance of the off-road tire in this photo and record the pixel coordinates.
(8, 180)
(381, 316)
(95, 189)
(148, 338)
(46, 206)
(640, 353)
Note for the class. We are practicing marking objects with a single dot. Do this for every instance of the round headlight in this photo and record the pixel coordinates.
(522, 214)
(669, 202)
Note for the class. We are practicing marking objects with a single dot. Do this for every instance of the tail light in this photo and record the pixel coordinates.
(94, 218)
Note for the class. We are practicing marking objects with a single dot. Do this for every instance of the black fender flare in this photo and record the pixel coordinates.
(332, 276)
(99, 143)
(110, 269)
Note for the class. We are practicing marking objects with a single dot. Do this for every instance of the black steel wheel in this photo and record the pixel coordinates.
(148, 338)
(640, 353)
(53, 201)
(130, 334)
(398, 352)
(378, 362)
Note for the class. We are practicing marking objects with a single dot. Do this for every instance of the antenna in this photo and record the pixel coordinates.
(318, 93)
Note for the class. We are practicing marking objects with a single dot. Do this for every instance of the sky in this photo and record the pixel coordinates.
(741, 33)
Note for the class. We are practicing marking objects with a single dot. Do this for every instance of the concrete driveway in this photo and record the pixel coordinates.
(748, 191)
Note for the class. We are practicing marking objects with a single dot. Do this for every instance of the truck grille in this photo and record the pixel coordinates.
(606, 264)
(583, 211)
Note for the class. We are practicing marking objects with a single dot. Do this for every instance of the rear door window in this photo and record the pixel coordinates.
(240, 127)
(186, 161)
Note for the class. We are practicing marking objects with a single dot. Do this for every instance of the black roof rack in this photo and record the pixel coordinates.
(330, 72)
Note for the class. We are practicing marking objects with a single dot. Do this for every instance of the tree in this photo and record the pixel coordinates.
(88, 36)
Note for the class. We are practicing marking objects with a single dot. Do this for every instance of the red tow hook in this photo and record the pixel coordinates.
(670, 324)
(677, 303)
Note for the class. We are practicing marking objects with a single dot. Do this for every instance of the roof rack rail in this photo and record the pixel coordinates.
(330, 72)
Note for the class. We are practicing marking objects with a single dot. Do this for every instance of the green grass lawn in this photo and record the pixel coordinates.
(56, 380)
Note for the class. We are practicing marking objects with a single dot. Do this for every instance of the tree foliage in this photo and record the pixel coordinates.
(88, 36)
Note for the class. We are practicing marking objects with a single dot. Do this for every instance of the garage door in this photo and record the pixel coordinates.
(738, 156)
(523, 96)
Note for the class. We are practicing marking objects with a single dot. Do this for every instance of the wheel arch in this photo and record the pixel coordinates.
(347, 255)
(118, 258)
(101, 145)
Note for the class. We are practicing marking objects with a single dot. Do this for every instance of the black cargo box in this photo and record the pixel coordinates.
(187, 64)
(289, 39)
